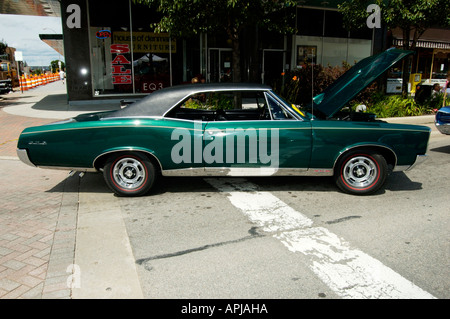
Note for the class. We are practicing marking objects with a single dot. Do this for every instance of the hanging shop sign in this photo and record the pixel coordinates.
(144, 42)
(121, 66)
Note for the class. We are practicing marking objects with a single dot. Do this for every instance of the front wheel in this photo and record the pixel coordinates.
(361, 172)
(129, 174)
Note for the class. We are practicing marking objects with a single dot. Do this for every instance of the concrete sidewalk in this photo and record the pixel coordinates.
(40, 212)
(50, 102)
(40, 209)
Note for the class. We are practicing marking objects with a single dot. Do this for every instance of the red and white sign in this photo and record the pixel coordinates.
(121, 71)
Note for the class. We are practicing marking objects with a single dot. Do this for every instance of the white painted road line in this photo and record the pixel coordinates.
(349, 272)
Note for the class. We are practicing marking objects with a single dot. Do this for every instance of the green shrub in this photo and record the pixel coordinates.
(397, 106)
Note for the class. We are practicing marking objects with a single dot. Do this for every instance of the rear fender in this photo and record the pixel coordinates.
(100, 160)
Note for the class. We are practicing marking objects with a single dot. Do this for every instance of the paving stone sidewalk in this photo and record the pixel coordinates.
(38, 210)
(38, 214)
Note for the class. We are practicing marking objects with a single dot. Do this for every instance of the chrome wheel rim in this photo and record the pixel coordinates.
(129, 173)
(360, 172)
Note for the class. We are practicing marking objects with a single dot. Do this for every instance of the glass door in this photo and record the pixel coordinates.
(272, 65)
(220, 65)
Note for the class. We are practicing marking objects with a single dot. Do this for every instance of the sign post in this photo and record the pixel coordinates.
(18, 57)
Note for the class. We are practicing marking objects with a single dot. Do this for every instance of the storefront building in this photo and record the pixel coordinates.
(431, 63)
(321, 31)
(112, 53)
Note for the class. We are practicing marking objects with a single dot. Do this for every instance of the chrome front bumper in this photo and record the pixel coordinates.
(443, 128)
(23, 156)
(442, 120)
(419, 160)
(403, 168)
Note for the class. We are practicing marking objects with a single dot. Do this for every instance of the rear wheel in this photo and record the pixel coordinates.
(361, 172)
(130, 174)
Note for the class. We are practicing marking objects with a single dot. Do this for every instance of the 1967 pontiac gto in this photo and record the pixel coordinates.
(234, 130)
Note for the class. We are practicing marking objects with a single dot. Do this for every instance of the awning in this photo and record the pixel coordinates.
(146, 58)
(431, 38)
(45, 8)
(55, 41)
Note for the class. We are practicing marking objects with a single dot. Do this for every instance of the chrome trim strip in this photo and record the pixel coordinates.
(202, 89)
(126, 149)
(76, 169)
(286, 107)
(247, 171)
(23, 156)
(371, 128)
(366, 145)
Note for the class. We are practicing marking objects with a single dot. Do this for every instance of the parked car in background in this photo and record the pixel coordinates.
(234, 130)
(442, 120)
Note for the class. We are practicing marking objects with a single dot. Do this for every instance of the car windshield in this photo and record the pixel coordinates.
(292, 107)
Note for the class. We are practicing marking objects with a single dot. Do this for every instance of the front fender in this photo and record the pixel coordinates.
(387, 152)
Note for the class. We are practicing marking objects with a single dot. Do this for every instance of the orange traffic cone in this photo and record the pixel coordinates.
(28, 83)
(23, 84)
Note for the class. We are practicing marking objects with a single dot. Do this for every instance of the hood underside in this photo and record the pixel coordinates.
(355, 80)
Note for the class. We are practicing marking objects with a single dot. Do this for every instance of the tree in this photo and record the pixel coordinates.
(3, 46)
(185, 18)
(54, 65)
(413, 17)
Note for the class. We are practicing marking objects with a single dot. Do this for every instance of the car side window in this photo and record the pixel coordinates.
(223, 106)
(278, 112)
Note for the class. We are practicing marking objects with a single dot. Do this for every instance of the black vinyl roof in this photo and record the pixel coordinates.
(161, 101)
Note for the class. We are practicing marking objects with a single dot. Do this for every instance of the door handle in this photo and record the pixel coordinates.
(211, 134)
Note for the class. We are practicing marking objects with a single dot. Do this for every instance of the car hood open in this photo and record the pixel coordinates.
(355, 80)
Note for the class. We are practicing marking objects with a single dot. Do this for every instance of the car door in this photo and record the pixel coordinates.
(276, 142)
(182, 142)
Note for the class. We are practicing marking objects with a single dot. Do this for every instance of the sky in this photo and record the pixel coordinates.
(22, 32)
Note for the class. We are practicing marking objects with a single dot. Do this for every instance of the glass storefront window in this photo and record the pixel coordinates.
(127, 58)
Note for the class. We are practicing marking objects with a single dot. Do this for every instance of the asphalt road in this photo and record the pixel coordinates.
(291, 238)
(255, 238)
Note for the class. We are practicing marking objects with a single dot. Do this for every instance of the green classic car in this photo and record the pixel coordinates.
(234, 130)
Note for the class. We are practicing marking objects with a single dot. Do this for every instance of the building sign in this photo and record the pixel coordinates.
(150, 87)
(103, 34)
(18, 56)
(306, 54)
(144, 42)
(121, 66)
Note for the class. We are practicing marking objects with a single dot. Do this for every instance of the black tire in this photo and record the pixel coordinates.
(129, 174)
(361, 172)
